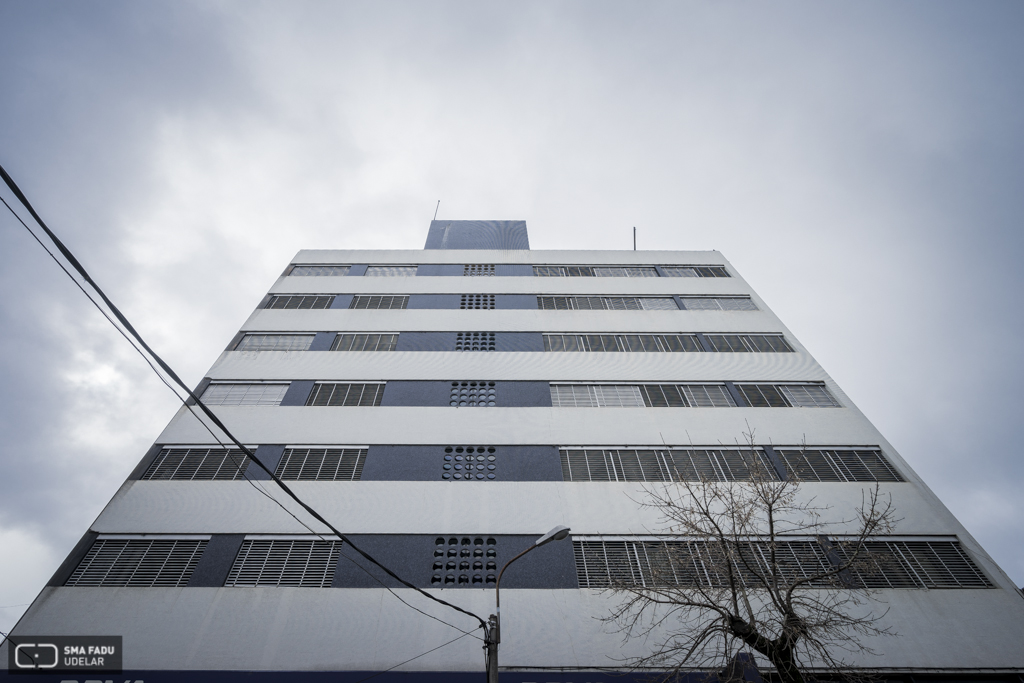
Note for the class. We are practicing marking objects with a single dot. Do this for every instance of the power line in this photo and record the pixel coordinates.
(148, 362)
(70, 257)
(238, 467)
(409, 660)
(236, 463)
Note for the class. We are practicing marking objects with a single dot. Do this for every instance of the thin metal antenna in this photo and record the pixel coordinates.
(439, 206)
(634, 238)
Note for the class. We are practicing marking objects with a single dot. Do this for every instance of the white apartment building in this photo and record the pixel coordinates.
(446, 406)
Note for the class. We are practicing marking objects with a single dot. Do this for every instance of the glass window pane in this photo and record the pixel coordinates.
(390, 271)
(659, 304)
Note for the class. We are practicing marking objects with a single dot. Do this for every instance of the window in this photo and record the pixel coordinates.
(244, 394)
(138, 563)
(322, 464)
(639, 396)
(477, 301)
(732, 303)
(365, 342)
(300, 301)
(724, 464)
(886, 564)
(475, 341)
(325, 394)
(304, 563)
(596, 396)
(695, 271)
(690, 395)
(606, 303)
(687, 396)
(693, 464)
(379, 302)
(563, 271)
(319, 271)
(787, 396)
(814, 464)
(469, 463)
(625, 271)
(756, 343)
(629, 271)
(201, 463)
(484, 269)
(916, 564)
(595, 271)
(468, 394)
(275, 342)
(622, 342)
(465, 561)
(390, 271)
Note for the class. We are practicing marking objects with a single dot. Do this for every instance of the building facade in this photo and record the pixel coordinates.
(446, 406)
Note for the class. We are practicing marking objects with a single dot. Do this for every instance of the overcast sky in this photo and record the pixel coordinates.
(860, 163)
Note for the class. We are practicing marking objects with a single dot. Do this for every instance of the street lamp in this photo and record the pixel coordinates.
(492, 632)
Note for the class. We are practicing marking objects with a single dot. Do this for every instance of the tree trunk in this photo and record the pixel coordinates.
(781, 657)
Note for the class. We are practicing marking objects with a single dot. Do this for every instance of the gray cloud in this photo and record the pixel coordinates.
(859, 164)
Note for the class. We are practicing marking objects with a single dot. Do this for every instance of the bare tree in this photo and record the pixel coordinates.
(752, 565)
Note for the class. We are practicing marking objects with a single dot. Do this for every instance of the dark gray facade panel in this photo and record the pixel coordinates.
(409, 556)
(519, 341)
(426, 341)
(777, 464)
(234, 341)
(198, 391)
(524, 394)
(412, 557)
(357, 269)
(298, 392)
(528, 463)
(146, 461)
(269, 455)
(403, 463)
(71, 561)
(513, 270)
(433, 301)
(416, 393)
(445, 269)
(213, 567)
(342, 300)
(426, 463)
(704, 343)
(549, 567)
(736, 394)
(661, 273)
(679, 302)
(477, 235)
(322, 341)
(516, 301)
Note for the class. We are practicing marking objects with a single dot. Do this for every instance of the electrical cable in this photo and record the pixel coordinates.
(70, 257)
(238, 465)
(409, 660)
(158, 374)
(90, 298)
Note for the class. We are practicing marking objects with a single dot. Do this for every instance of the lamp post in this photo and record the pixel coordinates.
(492, 632)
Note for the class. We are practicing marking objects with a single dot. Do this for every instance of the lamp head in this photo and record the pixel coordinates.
(557, 534)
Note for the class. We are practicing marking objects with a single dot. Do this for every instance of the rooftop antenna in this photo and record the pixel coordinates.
(634, 238)
(436, 208)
